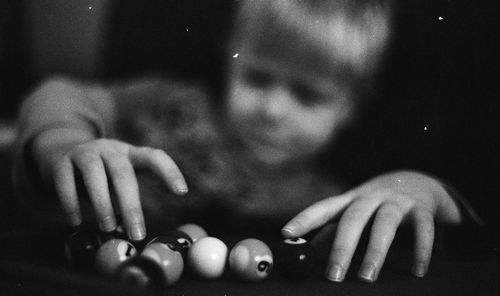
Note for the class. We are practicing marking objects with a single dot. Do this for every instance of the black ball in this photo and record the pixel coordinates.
(81, 247)
(176, 240)
(141, 272)
(296, 259)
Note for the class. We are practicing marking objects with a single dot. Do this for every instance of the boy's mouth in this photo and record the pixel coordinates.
(262, 139)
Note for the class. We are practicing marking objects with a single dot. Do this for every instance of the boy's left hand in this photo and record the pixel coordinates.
(390, 199)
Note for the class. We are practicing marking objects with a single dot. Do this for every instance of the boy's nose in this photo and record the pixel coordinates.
(277, 102)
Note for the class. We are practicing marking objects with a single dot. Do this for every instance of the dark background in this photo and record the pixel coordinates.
(437, 108)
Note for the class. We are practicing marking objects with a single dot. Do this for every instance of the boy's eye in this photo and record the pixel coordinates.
(257, 78)
(307, 95)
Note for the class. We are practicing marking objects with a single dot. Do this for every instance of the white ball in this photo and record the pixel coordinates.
(207, 257)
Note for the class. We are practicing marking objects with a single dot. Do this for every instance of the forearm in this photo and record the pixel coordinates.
(64, 102)
(60, 112)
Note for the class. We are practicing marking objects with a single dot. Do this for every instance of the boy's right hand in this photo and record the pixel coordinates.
(100, 160)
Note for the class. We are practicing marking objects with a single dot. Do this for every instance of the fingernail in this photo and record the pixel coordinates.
(368, 273)
(181, 187)
(288, 230)
(137, 232)
(335, 273)
(419, 270)
(75, 220)
(108, 224)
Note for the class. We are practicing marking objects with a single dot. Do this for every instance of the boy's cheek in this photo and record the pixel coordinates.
(240, 101)
(321, 127)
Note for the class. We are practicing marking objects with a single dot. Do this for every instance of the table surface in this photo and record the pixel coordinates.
(32, 263)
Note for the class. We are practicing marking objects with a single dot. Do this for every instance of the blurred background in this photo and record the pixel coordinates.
(438, 109)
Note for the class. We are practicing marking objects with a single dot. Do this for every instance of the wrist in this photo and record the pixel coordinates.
(459, 204)
(53, 141)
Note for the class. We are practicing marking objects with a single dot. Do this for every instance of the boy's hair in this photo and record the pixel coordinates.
(306, 30)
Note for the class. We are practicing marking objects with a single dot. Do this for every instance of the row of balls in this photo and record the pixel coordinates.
(162, 260)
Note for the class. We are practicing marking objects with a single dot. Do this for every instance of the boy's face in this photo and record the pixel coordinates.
(282, 111)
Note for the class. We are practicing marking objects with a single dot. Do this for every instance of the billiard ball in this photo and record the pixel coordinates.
(141, 271)
(81, 247)
(170, 241)
(295, 259)
(207, 257)
(251, 260)
(169, 259)
(177, 239)
(194, 231)
(112, 254)
(183, 239)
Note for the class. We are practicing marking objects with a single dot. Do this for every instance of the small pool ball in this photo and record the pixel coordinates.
(141, 271)
(194, 231)
(207, 257)
(112, 254)
(81, 247)
(295, 259)
(175, 239)
(170, 241)
(251, 260)
(183, 239)
(169, 259)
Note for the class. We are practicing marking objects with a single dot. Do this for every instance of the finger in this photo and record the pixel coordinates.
(94, 177)
(162, 165)
(349, 231)
(122, 175)
(385, 225)
(65, 186)
(316, 215)
(424, 240)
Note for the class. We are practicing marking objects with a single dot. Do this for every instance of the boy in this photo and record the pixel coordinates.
(297, 72)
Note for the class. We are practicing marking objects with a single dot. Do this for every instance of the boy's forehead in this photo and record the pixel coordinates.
(291, 66)
(337, 44)
(314, 57)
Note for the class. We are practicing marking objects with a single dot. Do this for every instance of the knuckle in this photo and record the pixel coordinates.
(375, 254)
(406, 202)
(62, 165)
(117, 162)
(134, 215)
(302, 219)
(340, 250)
(352, 214)
(72, 212)
(102, 142)
(158, 155)
(423, 214)
(144, 150)
(121, 170)
(87, 158)
(391, 212)
(101, 204)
